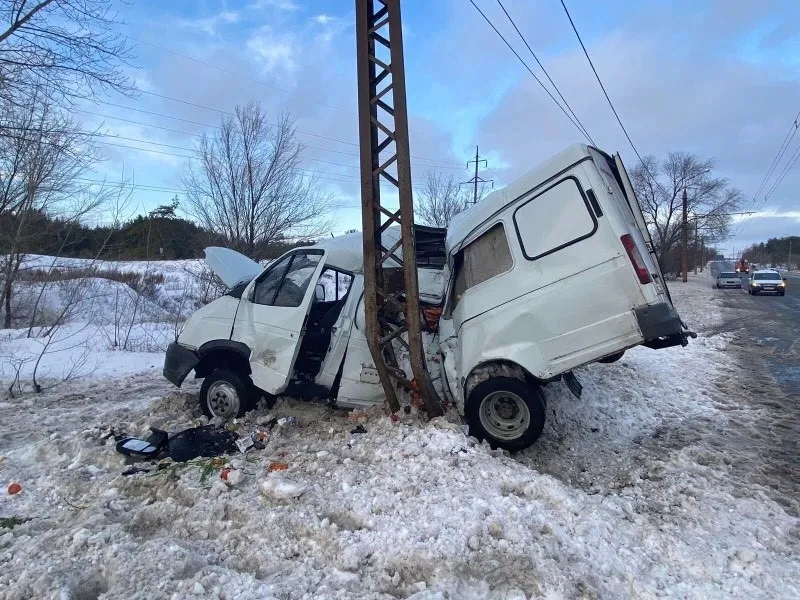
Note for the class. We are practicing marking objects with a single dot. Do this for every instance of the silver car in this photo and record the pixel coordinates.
(729, 279)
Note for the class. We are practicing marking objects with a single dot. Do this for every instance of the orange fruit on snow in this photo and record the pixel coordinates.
(14, 488)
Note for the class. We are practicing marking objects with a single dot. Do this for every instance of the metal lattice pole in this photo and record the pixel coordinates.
(391, 304)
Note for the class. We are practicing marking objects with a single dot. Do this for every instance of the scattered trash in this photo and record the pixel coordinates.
(465, 429)
(287, 421)
(134, 470)
(244, 444)
(147, 448)
(14, 488)
(277, 466)
(359, 429)
(394, 418)
(407, 409)
(281, 489)
(231, 476)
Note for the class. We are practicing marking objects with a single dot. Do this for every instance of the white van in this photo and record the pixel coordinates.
(549, 274)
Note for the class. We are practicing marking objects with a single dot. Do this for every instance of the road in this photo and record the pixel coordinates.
(765, 341)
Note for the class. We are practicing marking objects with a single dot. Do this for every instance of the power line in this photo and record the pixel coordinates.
(550, 79)
(539, 81)
(784, 146)
(608, 98)
(226, 113)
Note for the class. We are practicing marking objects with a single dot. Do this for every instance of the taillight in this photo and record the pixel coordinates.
(636, 259)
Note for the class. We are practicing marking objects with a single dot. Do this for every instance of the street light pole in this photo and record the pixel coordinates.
(694, 252)
(685, 234)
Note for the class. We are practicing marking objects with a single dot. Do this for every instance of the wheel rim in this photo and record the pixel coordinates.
(223, 400)
(504, 415)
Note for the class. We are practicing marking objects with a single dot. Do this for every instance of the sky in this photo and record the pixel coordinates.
(720, 78)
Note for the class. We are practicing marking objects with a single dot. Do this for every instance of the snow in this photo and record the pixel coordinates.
(627, 494)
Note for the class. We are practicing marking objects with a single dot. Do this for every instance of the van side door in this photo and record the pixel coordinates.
(272, 316)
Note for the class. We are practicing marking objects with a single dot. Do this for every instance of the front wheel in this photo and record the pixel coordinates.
(226, 395)
(507, 413)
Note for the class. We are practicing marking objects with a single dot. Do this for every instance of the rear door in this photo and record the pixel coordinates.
(641, 224)
(272, 316)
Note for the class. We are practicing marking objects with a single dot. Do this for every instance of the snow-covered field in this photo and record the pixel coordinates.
(624, 496)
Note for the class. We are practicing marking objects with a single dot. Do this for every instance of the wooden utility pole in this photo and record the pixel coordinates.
(789, 264)
(702, 253)
(694, 251)
(391, 304)
(685, 235)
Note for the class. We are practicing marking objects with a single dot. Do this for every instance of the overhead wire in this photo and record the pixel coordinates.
(539, 81)
(541, 66)
(608, 98)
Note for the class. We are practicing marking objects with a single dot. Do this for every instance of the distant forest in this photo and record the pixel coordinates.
(159, 235)
(775, 252)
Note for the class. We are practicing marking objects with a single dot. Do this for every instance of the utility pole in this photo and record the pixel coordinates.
(694, 251)
(391, 304)
(475, 179)
(685, 235)
(789, 265)
(702, 253)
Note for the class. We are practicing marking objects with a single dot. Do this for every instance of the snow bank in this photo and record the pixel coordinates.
(622, 497)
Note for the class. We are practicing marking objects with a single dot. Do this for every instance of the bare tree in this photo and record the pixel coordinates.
(42, 156)
(247, 186)
(440, 199)
(71, 47)
(659, 187)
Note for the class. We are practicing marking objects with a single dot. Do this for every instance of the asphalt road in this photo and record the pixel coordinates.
(765, 341)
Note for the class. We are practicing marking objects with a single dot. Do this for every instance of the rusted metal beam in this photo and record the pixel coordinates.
(379, 22)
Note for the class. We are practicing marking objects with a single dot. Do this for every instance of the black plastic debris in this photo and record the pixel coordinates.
(359, 429)
(147, 448)
(206, 441)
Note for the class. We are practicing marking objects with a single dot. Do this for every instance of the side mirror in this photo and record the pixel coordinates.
(319, 292)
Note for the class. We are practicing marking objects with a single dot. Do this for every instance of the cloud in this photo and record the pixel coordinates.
(210, 25)
(271, 51)
(285, 5)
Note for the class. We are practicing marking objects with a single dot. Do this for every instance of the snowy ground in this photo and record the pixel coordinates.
(626, 495)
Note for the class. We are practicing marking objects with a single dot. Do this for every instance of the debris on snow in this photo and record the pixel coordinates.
(281, 489)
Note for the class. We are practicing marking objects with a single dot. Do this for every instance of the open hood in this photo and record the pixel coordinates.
(230, 266)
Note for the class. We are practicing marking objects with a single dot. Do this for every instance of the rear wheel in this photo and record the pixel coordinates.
(508, 413)
(226, 395)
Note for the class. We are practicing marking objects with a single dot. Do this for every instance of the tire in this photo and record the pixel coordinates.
(612, 358)
(499, 399)
(781, 293)
(226, 394)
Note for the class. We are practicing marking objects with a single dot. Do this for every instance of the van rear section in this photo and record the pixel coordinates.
(656, 316)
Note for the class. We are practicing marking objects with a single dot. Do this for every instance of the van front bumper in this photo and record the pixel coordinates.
(661, 326)
(178, 362)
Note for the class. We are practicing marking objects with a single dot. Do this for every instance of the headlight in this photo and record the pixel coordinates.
(755, 284)
(781, 284)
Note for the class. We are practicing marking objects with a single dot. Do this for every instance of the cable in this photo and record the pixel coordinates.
(610, 103)
(786, 141)
(539, 81)
(538, 62)
(165, 116)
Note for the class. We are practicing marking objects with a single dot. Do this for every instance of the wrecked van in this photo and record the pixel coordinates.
(551, 273)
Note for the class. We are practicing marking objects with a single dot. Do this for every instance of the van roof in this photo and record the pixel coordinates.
(466, 222)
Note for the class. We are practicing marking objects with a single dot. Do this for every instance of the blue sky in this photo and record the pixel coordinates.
(720, 78)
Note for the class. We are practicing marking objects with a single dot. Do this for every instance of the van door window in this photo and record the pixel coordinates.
(554, 219)
(484, 258)
(286, 283)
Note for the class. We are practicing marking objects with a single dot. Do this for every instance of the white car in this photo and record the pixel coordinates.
(516, 314)
(766, 281)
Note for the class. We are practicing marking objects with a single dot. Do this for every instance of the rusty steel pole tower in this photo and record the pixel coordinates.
(391, 303)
